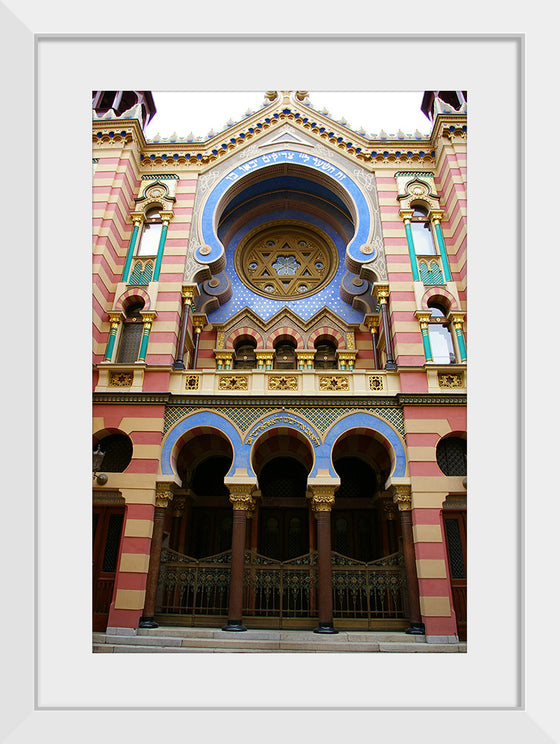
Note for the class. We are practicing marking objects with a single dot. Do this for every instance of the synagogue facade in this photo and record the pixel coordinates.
(280, 371)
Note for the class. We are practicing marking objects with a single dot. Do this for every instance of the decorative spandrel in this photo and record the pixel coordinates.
(284, 261)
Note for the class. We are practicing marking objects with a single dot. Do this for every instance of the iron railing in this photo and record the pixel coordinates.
(282, 589)
(374, 590)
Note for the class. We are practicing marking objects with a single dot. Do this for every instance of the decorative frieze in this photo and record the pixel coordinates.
(376, 382)
(334, 383)
(233, 382)
(192, 382)
(121, 379)
(283, 382)
(454, 380)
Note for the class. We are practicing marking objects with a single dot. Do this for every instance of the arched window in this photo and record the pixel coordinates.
(441, 340)
(325, 357)
(285, 355)
(131, 334)
(245, 356)
(151, 233)
(422, 235)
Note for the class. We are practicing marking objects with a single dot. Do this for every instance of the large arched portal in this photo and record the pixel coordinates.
(368, 577)
(282, 460)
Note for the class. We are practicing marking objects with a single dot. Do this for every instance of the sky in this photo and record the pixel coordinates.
(183, 114)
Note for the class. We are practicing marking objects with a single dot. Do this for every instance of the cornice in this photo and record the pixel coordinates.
(397, 401)
(383, 149)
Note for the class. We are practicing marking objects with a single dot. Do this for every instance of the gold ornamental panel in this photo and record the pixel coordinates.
(283, 382)
(286, 260)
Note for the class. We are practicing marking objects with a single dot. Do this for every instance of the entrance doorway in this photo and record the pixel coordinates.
(455, 523)
(107, 531)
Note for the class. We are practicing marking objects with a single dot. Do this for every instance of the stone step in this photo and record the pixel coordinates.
(212, 640)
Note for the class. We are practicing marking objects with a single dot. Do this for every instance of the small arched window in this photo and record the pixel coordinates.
(422, 232)
(451, 456)
(441, 340)
(245, 356)
(131, 334)
(325, 357)
(151, 233)
(285, 355)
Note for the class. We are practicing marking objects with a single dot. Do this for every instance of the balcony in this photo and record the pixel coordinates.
(285, 382)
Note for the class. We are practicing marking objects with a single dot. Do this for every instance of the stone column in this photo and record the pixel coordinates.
(383, 297)
(458, 320)
(137, 220)
(436, 216)
(199, 321)
(406, 215)
(403, 499)
(243, 505)
(164, 495)
(147, 318)
(424, 319)
(188, 293)
(322, 500)
(166, 218)
(115, 320)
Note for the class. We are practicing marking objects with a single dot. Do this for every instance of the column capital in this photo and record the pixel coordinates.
(189, 292)
(265, 355)
(402, 497)
(166, 217)
(386, 504)
(137, 217)
(406, 214)
(436, 215)
(199, 321)
(423, 317)
(347, 356)
(371, 322)
(115, 318)
(164, 493)
(148, 316)
(242, 496)
(458, 318)
(305, 355)
(382, 293)
(322, 496)
(179, 506)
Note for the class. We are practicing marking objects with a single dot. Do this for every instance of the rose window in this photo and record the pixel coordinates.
(283, 260)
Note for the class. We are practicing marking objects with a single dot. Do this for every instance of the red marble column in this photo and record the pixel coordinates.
(243, 504)
(322, 502)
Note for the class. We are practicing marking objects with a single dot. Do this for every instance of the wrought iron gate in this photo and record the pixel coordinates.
(369, 591)
(281, 593)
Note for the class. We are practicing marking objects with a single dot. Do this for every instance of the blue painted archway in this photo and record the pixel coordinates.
(212, 250)
(242, 447)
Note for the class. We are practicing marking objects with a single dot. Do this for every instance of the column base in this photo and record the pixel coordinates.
(234, 626)
(416, 629)
(325, 628)
(147, 622)
(179, 364)
(391, 365)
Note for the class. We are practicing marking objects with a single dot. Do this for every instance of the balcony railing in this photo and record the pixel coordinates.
(292, 382)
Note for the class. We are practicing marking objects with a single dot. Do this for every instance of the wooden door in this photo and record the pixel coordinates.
(107, 531)
(456, 538)
(283, 533)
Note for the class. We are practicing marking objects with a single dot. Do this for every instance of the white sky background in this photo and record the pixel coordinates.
(183, 114)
